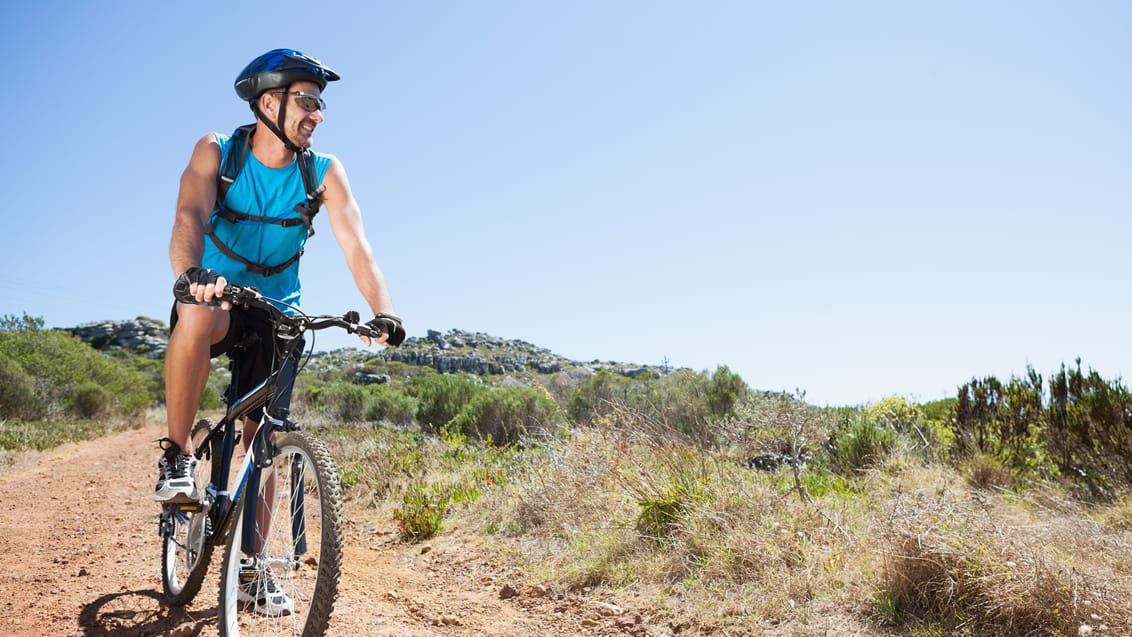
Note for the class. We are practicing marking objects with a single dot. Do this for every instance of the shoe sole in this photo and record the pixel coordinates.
(178, 497)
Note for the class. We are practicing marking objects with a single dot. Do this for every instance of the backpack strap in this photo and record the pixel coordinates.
(250, 266)
(313, 204)
(238, 147)
(240, 143)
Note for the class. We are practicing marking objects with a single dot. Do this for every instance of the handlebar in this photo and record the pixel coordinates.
(250, 297)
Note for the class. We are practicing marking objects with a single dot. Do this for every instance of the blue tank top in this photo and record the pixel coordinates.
(266, 192)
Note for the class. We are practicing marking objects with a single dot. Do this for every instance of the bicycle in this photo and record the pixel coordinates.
(287, 494)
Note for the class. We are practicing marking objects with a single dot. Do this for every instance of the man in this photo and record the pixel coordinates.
(251, 230)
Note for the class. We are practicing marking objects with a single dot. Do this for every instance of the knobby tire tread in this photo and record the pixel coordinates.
(330, 555)
(195, 578)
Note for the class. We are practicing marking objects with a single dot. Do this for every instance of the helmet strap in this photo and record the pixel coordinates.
(277, 129)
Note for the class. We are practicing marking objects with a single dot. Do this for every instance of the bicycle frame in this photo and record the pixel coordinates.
(217, 501)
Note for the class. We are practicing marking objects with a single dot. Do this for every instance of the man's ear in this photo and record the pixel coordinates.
(269, 104)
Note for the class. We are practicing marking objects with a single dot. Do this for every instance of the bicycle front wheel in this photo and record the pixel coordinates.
(187, 532)
(284, 552)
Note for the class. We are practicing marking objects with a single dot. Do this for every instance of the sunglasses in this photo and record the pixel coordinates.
(307, 102)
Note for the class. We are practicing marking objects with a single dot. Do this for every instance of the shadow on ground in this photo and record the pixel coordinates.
(139, 614)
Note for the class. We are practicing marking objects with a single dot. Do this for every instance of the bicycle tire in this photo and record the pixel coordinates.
(186, 548)
(309, 578)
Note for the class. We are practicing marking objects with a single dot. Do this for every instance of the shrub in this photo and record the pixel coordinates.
(1003, 420)
(1082, 433)
(210, 397)
(421, 514)
(1090, 430)
(896, 413)
(440, 397)
(60, 363)
(19, 397)
(506, 415)
(591, 399)
(692, 403)
(341, 401)
(678, 402)
(664, 508)
(389, 404)
(90, 400)
(725, 390)
(862, 441)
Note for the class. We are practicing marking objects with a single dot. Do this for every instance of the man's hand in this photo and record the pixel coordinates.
(390, 326)
(201, 286)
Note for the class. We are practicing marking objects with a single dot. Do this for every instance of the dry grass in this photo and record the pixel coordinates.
(699, 540)
(905, 549)
(995, 565)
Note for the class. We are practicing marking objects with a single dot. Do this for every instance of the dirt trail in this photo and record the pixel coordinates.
(81, 556)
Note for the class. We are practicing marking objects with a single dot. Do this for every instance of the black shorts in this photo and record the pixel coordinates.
(253, 353)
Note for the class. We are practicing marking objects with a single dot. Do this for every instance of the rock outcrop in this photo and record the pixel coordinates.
(454, 352)
(143, 336)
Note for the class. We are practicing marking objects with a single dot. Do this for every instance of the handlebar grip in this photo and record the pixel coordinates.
(182, 294)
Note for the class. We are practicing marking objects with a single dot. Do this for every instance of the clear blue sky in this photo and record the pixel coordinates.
(855, 199)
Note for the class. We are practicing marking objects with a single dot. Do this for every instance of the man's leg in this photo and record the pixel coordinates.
(195, 330)
(187, 365)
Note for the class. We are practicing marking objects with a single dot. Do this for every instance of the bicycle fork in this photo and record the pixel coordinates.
(263, 452)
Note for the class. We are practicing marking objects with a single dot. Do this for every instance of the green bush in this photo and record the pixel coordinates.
(680, 402)
(19, 397)
(1089, 430)
(895, 412)
(422, 513)
(341, 401)
(862, 441)
(440, 397)
(60, 363)
(90, 400)
(692, 403)
(389, 404)
(210, 397)
(153, 369)
(506, 415)
(592, 399)
(725, 390)
(1003, 420)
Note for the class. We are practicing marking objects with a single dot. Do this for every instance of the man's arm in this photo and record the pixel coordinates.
(195, 201)
(346, 223)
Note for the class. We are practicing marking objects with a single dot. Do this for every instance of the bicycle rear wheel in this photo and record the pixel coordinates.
(295, 550)
(186, 549)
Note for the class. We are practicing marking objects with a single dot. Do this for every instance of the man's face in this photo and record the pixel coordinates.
(299, 124)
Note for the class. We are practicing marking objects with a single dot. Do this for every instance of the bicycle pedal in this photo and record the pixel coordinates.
(184, 507)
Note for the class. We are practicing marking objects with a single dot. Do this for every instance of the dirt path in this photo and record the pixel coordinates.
(81, 556)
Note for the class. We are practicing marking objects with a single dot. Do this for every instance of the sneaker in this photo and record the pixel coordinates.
(176, 481)
(258, 587)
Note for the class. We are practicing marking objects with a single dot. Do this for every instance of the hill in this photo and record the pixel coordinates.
(455, 351)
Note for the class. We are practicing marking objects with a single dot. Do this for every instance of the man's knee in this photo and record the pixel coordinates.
(200, 323)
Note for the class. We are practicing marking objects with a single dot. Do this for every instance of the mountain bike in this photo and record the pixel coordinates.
(279, 514)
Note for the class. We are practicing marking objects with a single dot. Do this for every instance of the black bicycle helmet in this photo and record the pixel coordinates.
(278, 69)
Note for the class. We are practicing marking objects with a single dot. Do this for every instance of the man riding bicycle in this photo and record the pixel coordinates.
(245, 210)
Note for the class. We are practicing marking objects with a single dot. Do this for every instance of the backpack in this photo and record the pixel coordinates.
(238, 147)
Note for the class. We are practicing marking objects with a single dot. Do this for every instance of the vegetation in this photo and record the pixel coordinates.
(1004, 510)
(70, 378)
